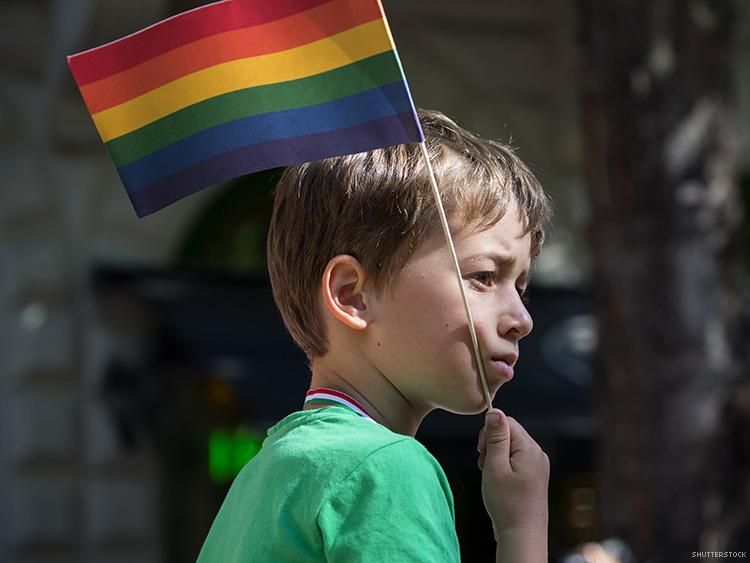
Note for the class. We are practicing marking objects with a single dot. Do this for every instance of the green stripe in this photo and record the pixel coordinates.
(331, 85)
(327, 402)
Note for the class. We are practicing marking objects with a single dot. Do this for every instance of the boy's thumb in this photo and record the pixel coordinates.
(497, 434)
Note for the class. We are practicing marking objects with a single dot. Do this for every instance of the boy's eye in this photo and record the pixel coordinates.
(484, 278)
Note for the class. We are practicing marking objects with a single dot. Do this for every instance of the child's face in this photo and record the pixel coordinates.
(421, 339)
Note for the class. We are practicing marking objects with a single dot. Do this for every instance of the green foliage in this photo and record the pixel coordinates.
(229, 451)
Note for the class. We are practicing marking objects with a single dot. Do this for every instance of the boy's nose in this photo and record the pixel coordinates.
(515, 322)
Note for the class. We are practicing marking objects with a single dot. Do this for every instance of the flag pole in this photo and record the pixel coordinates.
(457, 270)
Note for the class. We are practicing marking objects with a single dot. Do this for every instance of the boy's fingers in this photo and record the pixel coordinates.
(497, 437)
(480, 442)
(520, 439)
(512, 440)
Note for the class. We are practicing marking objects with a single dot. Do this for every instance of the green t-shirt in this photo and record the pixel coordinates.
(330, 485)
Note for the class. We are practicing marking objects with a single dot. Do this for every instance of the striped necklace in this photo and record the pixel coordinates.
(326, 396)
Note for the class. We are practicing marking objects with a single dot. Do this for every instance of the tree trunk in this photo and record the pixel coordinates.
(658, 131)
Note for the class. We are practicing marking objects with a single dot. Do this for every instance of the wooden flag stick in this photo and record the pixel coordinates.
(457, 270)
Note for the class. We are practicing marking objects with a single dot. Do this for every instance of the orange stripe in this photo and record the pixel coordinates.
(314, 24)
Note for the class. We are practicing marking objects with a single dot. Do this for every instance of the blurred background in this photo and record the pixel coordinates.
(143, 360)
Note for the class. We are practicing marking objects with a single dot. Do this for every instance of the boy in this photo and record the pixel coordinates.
(362, 276)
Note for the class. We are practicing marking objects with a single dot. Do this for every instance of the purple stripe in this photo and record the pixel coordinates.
(393, 130)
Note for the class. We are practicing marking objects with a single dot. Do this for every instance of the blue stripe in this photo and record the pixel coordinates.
(384, 132)
(391, 99)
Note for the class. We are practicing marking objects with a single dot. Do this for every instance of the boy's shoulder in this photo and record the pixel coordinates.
(337, 441)
(329, 484)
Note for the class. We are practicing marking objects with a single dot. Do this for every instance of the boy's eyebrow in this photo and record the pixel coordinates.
(501, 260)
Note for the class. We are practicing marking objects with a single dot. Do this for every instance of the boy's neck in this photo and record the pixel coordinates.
(384, 403)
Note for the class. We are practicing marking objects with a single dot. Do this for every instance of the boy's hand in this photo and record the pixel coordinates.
(515, 478)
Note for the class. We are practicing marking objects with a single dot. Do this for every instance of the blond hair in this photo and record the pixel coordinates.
(378, 207)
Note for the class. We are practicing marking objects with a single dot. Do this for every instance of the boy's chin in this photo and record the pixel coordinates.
(477, 406)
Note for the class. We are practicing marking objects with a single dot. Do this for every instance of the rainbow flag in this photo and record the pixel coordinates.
(239, 86)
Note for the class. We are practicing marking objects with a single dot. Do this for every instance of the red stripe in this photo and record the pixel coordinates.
(179, 30)
(314, 24)
(338, 394)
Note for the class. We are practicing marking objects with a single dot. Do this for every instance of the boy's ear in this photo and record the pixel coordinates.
(343, 291)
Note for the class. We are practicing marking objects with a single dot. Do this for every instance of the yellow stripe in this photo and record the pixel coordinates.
(332, 52)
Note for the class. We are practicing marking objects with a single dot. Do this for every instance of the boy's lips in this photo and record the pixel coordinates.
(504, 365)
